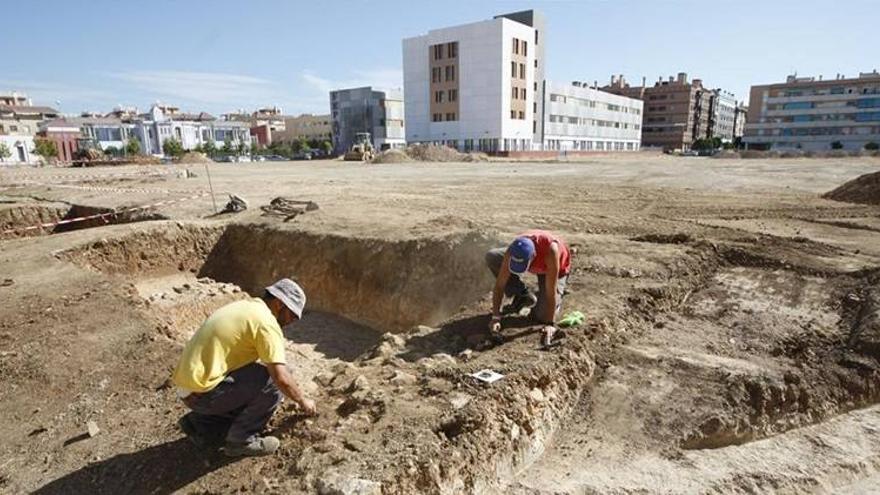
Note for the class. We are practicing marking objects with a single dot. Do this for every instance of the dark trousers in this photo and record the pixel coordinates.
(516, 287)
(239, 407)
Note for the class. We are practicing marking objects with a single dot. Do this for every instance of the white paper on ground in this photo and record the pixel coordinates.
(487, 376)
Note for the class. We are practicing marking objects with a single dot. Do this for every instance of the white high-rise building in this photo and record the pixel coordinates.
(473, 86)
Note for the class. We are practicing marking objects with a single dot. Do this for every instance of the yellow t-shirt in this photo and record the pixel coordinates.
(232, 337)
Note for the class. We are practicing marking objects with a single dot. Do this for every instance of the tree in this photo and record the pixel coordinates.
(242, 148)
(133, 146)
(4, 151)
(227, 147)
(304, 145)
(172, 147)
(837, 145)
(255, 148)
(45, 149)
(327, 147)
(872, 146)
(209, 148)
(112, 151)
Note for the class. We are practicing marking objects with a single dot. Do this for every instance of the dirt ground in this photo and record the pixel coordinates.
(732, 341)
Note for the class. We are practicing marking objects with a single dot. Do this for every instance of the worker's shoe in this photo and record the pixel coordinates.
(256, 447)
(521, 303)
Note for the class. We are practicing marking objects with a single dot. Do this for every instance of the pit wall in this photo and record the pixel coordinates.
(388, 285)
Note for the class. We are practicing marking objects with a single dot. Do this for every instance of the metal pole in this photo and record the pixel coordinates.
(211, 187)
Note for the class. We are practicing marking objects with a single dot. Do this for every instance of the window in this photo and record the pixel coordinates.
(513, 114)
(436, 117)
(514, 93)
(438, 96)
(522, 71)
(513, 69)
(450, 72)
(522, 115)
(525, 48)
(522, 93)
(452, 49)
(536, 86)
(438, 52)
(450, 117)
(536, 36)
(516, 46)
(435, 74)
(453, 94)
(799, 105)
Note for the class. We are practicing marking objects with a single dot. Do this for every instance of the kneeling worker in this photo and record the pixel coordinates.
(538, 252)
(232, 395)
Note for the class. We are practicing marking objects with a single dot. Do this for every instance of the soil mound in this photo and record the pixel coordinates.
(428, 153)
(392, 156)
(864, 189)
(195, 157)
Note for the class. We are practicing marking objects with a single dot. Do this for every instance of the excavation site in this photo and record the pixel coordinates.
(731, 339)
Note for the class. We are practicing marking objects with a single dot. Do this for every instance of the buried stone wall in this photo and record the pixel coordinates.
(389, 285)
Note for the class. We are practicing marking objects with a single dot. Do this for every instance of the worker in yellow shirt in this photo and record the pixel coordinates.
(219, 378)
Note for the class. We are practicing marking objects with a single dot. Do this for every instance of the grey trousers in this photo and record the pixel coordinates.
(516, 287)
(239, 407)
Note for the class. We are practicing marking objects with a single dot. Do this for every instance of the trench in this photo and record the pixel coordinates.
(19, 219)
(360, 287)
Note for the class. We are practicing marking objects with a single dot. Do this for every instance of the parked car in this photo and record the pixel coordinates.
(303, 155)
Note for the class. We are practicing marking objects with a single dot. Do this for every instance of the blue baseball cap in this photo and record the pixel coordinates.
(521, 251)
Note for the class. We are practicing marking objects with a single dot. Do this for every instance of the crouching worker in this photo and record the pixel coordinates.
(231, 395)
(538, 252)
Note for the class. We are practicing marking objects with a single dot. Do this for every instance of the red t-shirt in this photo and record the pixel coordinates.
(543, 240)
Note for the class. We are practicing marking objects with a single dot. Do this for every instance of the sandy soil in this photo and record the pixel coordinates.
(732, 340)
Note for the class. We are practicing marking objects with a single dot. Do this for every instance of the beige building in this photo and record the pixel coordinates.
(814, 115)
(306, 126)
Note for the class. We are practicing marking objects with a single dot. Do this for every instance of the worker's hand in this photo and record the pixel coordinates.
(495, 324)
(308, 407)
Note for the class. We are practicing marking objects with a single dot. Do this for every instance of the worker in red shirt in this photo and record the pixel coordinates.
(538, 252)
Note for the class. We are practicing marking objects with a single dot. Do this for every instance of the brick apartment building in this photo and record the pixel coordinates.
(677, 112)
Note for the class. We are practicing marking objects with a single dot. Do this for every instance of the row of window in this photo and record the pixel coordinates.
(592, 104)
(837, 90)
(518, 93)
(809, 105)
(438, 117)
(520, 47)
(450, 96)
(450, 50)
(556, 144)
(562, 119)
(517, 115)
(438, 73)
(821, 131)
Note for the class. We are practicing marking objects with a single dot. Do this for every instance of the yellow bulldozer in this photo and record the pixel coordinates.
(362, 150)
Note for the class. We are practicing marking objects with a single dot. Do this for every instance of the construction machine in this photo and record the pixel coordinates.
(362, 149)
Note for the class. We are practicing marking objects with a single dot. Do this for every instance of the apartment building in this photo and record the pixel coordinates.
(378, 112)
(306, 127)
(677, 111)
(722, 115)
(815, 114)
(473, 86)
(19, 124)
(581, 118)
(739, 121)
(264, 123)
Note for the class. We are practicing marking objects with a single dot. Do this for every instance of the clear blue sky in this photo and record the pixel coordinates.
(221, 55)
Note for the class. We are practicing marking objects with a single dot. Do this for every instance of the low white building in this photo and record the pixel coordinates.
(581, 118)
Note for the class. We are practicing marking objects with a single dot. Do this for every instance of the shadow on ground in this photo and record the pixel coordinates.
(470, 332)
(159, 469)
(332, 335)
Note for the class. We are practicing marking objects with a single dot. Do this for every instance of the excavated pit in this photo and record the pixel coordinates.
(737, 344)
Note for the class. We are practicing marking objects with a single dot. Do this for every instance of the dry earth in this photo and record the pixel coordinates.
(731, 344)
